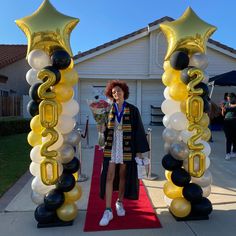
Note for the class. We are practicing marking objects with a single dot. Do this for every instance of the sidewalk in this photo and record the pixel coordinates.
(17, 216)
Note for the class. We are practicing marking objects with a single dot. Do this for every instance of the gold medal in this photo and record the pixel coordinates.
(119, 127)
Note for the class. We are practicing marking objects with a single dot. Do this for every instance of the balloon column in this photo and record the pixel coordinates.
(52, 137)
(186, 108)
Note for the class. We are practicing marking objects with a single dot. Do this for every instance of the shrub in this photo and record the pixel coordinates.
(14, 125)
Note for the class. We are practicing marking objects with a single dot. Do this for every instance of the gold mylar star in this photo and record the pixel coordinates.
(47, 29)
(188, 32)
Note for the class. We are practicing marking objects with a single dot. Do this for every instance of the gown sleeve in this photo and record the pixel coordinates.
(140, 138)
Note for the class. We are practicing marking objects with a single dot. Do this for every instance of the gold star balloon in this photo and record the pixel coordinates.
(188, 32)
(47, 29)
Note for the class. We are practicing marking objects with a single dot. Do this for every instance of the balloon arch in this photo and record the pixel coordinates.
(53, 138)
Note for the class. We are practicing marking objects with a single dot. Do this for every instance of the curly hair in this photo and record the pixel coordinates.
(122, 84)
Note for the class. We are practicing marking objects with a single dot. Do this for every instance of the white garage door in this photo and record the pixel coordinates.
(90, 88)
(152, 94)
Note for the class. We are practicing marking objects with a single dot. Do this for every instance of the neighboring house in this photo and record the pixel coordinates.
(138, 58)
(13, 68)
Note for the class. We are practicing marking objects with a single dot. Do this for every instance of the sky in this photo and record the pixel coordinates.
(104, 20)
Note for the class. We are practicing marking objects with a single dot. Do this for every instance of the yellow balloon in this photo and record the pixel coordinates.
(178, 91)
(166, 65)
(34, 138)
(47, 29)
(168, 174)
(67, 212)
(180, 207)
(35, 124)
(204, 120)
(69, 77)
(73, 195)
(171, 190)
(188, 32)
(206, 134)
(170, 76)
(63, 92)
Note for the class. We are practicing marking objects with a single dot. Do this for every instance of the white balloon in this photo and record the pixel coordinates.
(166, 121)
(35, 169)
(170, 135)
(38, 59)
(185, 135)
(65, 124)
(70, 108)
(167, 93)
(204, 180)
(199, 60)
(39, 187)
(178, 121)
(56, 145)
(37, 198)
(170, 106)
(206, 191)
(31, 77)
(167, 147)
(35, 154)
(206, 77)
(207, 147)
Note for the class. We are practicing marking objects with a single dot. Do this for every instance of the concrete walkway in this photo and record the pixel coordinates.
(17, 212)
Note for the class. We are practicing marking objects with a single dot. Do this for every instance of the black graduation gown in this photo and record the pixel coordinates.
(138, 144)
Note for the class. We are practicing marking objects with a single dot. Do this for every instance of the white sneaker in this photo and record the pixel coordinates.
(233, 154)
(106, 218)
(120, 209)
(228, 156)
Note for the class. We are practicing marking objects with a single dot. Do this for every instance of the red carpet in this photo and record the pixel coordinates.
(139, 214)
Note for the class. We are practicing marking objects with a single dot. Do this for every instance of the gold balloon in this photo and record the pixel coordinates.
(206, 134)
(171, 190)
(170, 76)
(178, 91)
(63, 92)
(35, 124)
(67, 212)
(180, 207)
(34, 139)
(73, 195)
(47, 29)
(168, 174)
(188, 32)
(69, 77)
(204, 120)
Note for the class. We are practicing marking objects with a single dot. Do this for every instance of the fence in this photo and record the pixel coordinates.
(10, 106)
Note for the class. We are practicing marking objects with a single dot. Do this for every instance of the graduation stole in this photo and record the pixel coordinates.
(126, 127)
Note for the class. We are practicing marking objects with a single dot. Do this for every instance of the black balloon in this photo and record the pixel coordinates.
(72, 166)
(170, 163)
(180, 177)
(56, 72)
(33, 92)
(43, 215)
(33, 108)
(179, 60)
(202, 207)
(204, 87)
(192, 192)
(185, 78)
(54, 199)
(66, 182)
(61, 59)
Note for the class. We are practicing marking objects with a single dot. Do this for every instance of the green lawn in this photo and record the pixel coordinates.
(14, 159)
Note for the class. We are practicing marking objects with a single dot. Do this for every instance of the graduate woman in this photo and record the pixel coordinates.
(125, 139)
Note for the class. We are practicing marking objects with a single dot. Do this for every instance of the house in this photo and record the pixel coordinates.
(13, 68)
(138, 59)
